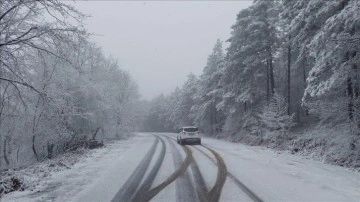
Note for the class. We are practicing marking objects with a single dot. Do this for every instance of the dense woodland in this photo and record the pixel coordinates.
(57, 89)
(289, 79)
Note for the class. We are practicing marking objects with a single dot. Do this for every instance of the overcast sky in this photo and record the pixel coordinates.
(160, 42)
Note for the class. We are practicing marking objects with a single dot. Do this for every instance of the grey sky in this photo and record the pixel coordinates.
(160, 42)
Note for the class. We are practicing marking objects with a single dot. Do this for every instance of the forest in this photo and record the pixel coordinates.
(57, 88)
(288, 80)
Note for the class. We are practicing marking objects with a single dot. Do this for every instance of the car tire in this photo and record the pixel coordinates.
(199, 142)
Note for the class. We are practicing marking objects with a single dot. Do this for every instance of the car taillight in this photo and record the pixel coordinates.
(184, 133)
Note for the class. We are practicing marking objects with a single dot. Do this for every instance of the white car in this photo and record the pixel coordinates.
(189, 134)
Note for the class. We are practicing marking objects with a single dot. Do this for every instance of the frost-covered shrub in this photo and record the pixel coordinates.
(274, 115)
(252, 123)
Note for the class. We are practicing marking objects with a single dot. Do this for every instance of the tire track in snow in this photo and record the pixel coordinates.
(128, 189)
(182, 166)
(185, 191)
(151, 176)
(245, 189)
(215, 192)
(200, 184)
(199, 181)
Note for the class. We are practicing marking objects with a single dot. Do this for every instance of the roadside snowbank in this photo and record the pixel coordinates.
(34, 178)
(61, 178)
(328, 144)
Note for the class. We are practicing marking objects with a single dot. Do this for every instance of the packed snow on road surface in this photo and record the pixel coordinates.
(269, 175)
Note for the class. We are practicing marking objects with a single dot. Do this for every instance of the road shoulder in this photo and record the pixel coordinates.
(70, 183)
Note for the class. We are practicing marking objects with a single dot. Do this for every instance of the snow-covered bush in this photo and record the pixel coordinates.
(274, 116)
(35, 177)
(333, 110)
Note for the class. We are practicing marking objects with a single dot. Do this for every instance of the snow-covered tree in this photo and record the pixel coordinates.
(275, 116)
(206, 114)
(248, 76)
(56, 87)
(335, 52)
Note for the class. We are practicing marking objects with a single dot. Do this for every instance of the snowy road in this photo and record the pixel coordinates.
(200, 174)
(153, 167)
(158, 169)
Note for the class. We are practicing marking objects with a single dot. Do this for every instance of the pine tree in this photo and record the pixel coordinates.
(249, 68)
(334, 49)
(205, 111)
(275, 116)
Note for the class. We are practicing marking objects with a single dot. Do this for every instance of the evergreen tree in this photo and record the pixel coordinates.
(205, 112)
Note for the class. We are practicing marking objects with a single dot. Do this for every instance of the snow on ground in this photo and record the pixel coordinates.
(64, 185)
(116, 171)
(278, 176)
(272, 175)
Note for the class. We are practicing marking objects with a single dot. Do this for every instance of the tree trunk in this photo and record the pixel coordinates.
(34, 148)
(4, 150)
(350, 95)
(267, 83)
(304, 79)
(50, 150)
(288, 78)
(17, 156)
(272, 82)
(304, 76)
(213, 121)
(96, 132)
(215, 118)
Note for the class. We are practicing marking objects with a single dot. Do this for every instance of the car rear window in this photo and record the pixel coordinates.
(191, 129)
